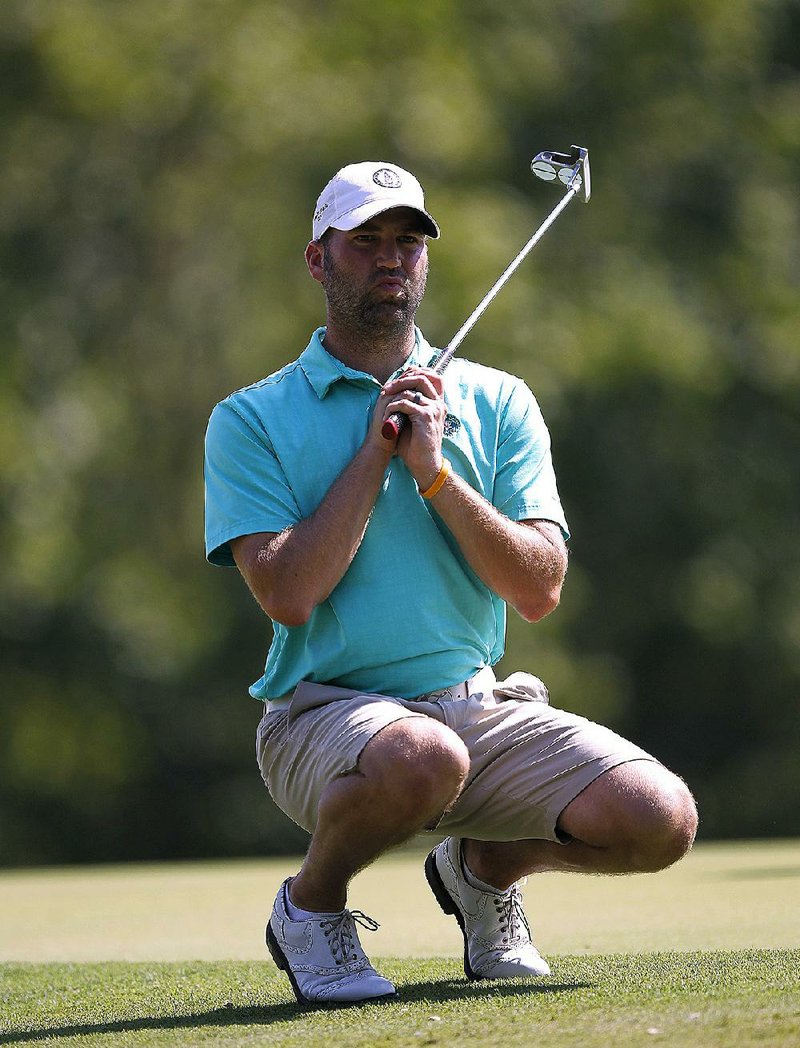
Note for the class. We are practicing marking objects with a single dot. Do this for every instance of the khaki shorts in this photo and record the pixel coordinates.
(527, 759)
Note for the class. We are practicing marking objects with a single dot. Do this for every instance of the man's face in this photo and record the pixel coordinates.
(374, 276)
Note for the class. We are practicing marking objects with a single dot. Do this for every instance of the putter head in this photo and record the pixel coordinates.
(571, 169)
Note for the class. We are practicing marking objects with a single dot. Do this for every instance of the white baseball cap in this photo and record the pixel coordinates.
(359, 192)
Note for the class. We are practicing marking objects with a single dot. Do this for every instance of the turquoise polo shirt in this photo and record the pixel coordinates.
(410, 615)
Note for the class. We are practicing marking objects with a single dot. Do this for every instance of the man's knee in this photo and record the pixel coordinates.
(418, 760)
(639, 811)
(665, 821)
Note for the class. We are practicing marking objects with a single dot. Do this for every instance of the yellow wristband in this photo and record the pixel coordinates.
(437, 485)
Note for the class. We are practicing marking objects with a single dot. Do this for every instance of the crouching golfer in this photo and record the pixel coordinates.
(386, 568)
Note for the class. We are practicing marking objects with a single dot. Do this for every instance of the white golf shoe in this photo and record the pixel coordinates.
(497, 938)
(323, 956)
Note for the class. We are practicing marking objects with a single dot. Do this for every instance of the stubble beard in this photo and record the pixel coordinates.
(368, 317)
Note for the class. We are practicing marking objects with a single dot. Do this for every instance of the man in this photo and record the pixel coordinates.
(386, 569)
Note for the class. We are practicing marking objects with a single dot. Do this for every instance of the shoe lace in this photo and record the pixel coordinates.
(342, 936)
(511, 915)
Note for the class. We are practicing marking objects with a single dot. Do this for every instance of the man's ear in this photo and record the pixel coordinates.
(315, 253)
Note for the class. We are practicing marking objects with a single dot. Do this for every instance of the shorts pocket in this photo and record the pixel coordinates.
(523, 687)
(270, 737)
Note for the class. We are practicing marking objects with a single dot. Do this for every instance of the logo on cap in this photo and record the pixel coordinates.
(387, 178)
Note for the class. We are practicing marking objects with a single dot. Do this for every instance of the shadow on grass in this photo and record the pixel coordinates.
(429, 991)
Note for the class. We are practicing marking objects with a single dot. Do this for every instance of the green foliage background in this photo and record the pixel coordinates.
(158, 166)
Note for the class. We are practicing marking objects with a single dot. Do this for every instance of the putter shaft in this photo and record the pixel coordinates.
(578, 182)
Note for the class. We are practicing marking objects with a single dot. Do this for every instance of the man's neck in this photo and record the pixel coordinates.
(379, 354)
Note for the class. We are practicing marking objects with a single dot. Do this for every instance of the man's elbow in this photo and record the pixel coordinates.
(287, 612)
(279, 599)
(533, 607)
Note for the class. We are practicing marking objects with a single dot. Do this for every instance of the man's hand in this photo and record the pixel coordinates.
(417, 393)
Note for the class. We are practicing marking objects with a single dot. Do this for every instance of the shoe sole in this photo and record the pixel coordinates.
(450, 907)
(279, 957)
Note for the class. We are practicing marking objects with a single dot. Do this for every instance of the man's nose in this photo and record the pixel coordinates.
(389, 254)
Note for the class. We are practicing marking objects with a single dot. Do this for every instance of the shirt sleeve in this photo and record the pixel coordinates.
(246, 489)
(525, 481)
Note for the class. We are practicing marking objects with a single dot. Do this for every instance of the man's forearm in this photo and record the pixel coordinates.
(525, 564)
(295, 570)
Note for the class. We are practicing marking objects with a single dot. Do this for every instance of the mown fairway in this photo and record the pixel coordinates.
(702, 955)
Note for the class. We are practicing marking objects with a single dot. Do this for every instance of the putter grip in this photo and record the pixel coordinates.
(396, 423)
(394, 426)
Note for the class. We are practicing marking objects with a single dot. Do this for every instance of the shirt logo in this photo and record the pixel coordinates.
(451, 425)
(387, 178)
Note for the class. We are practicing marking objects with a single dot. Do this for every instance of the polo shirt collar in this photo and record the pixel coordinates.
(322, 370)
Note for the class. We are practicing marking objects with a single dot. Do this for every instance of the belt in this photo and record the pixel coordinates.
(451, 694)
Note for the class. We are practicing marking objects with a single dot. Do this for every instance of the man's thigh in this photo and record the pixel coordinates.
(529, 760)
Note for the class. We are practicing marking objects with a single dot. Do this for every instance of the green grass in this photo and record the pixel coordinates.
(704, 954)
(739, 998)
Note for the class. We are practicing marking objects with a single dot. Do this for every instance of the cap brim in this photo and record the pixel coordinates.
(359, 215)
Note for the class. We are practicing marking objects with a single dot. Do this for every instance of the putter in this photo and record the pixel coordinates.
(567, 169)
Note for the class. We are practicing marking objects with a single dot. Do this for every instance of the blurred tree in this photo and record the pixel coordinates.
(160, 163)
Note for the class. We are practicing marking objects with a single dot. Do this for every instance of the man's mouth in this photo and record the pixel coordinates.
(390, 284)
